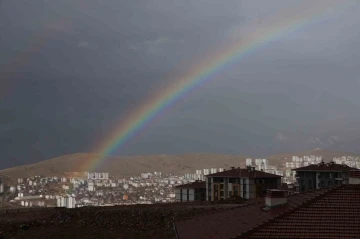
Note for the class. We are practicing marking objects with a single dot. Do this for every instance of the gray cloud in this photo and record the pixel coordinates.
(81, 67)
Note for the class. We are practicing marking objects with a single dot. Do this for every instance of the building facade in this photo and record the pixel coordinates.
(321, 175)
(68, 202)
(242, 182)
(190, 192)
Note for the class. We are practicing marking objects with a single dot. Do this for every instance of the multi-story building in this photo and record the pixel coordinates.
(195, 191)
(68, 202)
(94, 175)
(243, 182)
(321, 175)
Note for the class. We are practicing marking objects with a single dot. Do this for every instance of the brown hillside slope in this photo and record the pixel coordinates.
(126, 166)
(328, 155)
(133, 165)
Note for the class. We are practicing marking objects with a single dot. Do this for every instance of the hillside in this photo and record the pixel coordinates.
(126, 166)
(132, 165)
(328, 155)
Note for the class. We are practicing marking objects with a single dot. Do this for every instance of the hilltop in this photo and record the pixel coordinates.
(132, 165)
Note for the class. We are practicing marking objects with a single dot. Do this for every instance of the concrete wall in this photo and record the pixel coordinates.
(208, 188)
(177, 194)
(271, 202)
(252, 189)
(354, 180)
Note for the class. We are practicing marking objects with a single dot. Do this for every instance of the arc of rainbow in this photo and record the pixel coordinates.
(206, 70)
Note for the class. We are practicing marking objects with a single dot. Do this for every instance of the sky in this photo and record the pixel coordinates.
(72, 70)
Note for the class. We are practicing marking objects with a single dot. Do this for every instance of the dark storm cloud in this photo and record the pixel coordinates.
(75, 69)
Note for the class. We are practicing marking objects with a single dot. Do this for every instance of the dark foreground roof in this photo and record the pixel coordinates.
(230, 223)
(325, 167)
(333, 215)
(197, 184)
(243, 173)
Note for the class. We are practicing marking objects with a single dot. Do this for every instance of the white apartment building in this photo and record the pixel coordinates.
(94, 175)
(68, 202)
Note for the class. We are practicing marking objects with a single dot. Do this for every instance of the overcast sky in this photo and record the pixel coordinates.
(71, 70)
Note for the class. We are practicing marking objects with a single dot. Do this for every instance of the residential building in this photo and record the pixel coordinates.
(195, 191)
(94, 175)
(68, 202)
(243, 182)
(321, 175)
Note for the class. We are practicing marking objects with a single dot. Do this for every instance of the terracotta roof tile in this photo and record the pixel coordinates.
(230, 223)
(336, 214)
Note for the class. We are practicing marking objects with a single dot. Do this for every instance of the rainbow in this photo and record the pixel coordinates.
(207, 70)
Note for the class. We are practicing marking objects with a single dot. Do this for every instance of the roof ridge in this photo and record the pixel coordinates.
(286, 213)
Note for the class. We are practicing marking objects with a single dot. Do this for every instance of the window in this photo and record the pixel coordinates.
(221, 186)
(233, 180)
(218, 180)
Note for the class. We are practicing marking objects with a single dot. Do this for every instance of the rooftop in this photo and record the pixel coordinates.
(336, 214)
(196, 184)
(230, 223)
(243, 173)
(325, 167)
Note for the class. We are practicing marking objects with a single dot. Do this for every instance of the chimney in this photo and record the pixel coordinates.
(275, 198)
(354, 177)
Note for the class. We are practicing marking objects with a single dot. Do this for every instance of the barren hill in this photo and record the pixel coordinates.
(132, 165)
(126, 166)
(328, 155)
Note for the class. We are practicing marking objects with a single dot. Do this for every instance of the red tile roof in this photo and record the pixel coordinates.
(230, 223)
(336, 214)
(243, 173)
(197, 184)
(325, 167)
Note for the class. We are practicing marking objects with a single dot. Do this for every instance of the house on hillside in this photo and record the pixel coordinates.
(195, 191)
(244, 182)
(321, 175)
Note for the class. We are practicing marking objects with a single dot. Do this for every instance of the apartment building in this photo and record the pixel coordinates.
(243, 182)
(321, 175)
(195, 191)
